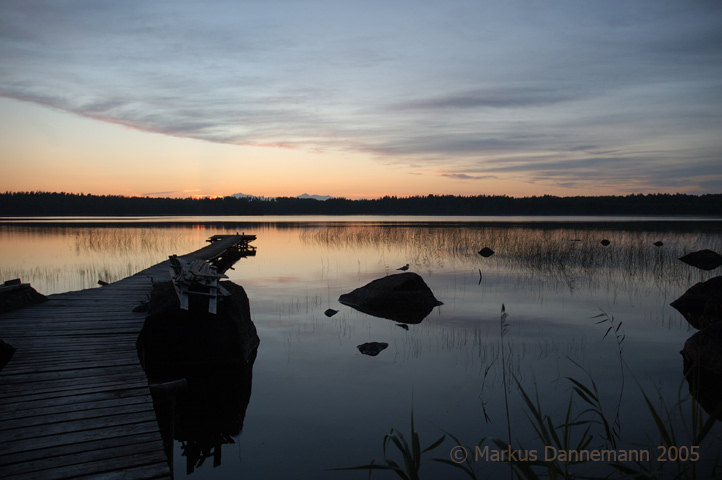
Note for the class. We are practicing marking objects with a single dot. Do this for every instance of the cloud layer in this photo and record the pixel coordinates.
(560, 93)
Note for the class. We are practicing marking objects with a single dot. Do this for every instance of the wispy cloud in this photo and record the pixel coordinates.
(558, 93)
(464, 176)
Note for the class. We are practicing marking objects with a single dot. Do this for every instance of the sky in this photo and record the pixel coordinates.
(361, 99)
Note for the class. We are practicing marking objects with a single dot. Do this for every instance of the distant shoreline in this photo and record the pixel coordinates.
(48, 204)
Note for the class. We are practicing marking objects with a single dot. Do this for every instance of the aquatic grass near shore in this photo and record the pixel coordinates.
(570, 438)
(410, 454)
(581, 432)
(569, 256)
(59, 258)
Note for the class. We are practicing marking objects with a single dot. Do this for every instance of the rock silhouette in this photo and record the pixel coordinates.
(15, 295)
(174, 336)
(372, 348)
(701, 304)
(703, 259)
(403, 297)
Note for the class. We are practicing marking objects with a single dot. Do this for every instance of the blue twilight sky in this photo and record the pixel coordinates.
(361, 99)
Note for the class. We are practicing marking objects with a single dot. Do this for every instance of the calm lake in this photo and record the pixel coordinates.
(316, 403)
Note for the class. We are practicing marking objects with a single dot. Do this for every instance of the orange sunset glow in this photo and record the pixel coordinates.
(268, 104)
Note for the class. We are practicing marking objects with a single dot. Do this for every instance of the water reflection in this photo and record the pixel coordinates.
(702, 366)
(211, 357)
(206, 415)
(553, 278)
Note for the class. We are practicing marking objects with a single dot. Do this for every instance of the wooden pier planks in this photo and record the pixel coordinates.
(74, 400)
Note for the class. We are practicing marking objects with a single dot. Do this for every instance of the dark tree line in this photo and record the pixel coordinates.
(69, 204)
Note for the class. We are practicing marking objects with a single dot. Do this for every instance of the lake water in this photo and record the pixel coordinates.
(316, 403)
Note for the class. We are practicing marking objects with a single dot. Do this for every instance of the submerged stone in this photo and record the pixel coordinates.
(486, 252)
(403, 297)
(703, 259)
(701, 304)
(372, 348)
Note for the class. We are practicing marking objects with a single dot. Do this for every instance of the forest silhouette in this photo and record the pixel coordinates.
(71, 204)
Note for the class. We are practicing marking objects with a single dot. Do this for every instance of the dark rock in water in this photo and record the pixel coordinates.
(701, 304)
(330, 312)
(703, 259)
(372, 348)
(172, 336)
(402, 325)
(403, 297)
(658, 244)
(605, 242)
(486, 252)
(6, 353)
(702, 359)
(15, 295)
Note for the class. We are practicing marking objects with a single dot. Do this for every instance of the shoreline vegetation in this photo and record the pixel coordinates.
(585, 444)
(71, 204)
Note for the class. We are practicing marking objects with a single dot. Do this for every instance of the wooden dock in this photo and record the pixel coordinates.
(74, 400)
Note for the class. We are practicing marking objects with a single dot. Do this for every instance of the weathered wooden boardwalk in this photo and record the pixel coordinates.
(74, 400)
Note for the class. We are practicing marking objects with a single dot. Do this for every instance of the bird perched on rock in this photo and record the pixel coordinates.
(404, 268)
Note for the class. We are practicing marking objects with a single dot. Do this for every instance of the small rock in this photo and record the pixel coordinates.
(486, 252)
(372, 348)
(330, 312)
(605, 242)
(658, 244)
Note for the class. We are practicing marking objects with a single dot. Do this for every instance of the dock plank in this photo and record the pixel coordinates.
(74, 400)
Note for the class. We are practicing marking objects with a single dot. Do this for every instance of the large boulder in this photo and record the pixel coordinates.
(702, 357)
(172, 337)
(701, 304)
(403, 297)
